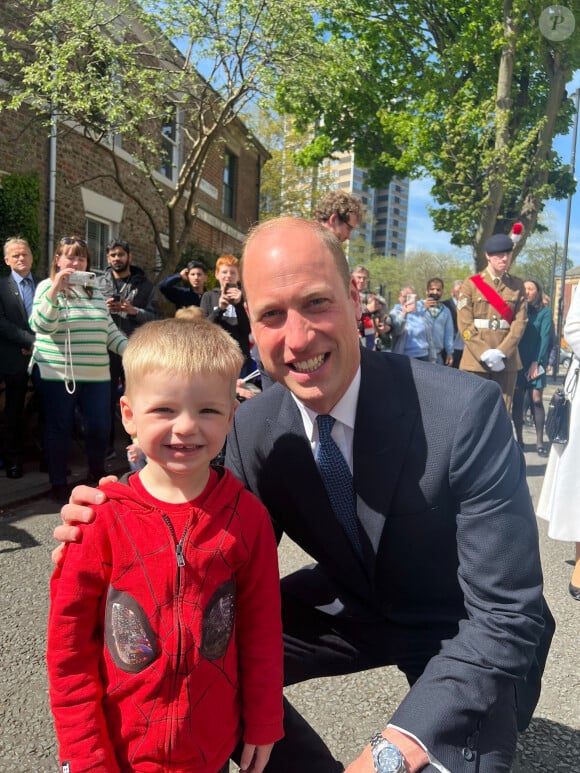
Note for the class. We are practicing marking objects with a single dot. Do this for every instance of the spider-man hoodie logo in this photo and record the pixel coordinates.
(165, 640)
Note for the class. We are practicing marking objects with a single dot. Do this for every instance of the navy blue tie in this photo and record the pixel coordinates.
(337, 480)
(27, 294)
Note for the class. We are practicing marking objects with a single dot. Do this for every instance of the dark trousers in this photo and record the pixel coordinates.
(93, 400)
(316, 645)
(16, 386)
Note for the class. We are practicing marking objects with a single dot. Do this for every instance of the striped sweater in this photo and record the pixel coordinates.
(92, 332)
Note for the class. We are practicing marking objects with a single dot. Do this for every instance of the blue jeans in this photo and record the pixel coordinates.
(93, 400)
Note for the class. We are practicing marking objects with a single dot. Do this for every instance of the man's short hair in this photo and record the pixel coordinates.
(181, 346)
(436, 279)
(197, 264)
(114, 243)
(328, 239)
(15, 240)
(338, 203)
(226, 260)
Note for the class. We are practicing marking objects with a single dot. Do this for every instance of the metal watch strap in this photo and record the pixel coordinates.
(377, 741)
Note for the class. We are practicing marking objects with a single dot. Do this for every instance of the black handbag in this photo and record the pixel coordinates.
(558, 418)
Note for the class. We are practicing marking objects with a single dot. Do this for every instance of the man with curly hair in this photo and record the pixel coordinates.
(341, 213)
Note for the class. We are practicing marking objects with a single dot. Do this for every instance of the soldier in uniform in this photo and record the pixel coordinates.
(492, 316)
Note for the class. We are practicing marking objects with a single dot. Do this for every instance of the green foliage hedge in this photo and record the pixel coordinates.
(19, 203)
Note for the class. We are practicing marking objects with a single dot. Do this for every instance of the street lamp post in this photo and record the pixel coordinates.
(566, 237)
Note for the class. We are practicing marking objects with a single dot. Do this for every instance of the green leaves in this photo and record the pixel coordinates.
(470, 94)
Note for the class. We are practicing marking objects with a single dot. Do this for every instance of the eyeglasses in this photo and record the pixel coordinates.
(348, 225)
(73, 240)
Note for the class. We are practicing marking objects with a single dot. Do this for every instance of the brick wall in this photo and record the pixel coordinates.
(81, 163)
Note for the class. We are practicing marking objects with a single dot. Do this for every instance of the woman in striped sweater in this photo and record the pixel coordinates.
(73, 330)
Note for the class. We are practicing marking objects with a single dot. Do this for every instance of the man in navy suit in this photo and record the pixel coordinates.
(442, 574)
(16, 340)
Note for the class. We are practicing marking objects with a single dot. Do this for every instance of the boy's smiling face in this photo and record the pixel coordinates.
(181, 422)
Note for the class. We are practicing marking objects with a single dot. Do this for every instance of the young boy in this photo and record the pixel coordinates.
(165, 638)
(225, 306)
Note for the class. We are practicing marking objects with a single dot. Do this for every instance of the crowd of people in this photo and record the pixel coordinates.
(170, 635)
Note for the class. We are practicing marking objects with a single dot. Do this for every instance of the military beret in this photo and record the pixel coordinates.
(498, 243)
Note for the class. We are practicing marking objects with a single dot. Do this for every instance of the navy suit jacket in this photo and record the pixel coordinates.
(15, 332)
(450, 537)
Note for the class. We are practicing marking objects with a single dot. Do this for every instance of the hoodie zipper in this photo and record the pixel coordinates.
(180, 559)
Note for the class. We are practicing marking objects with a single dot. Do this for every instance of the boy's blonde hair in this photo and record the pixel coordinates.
(190, 313)
(186, 347)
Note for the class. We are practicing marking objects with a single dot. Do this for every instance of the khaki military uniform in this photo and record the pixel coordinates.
(482, 327)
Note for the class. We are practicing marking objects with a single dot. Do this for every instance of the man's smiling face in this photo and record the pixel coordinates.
(302, 314)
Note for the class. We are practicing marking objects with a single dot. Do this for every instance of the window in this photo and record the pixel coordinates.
(229, 190)
(169, 144)
(98, 236)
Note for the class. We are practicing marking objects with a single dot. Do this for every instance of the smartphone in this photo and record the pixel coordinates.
(116, 298)
(83, 278)
(411, 298)
(231, 286)
(541, 370)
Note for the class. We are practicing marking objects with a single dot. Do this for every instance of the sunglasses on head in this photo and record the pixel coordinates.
(73, 240)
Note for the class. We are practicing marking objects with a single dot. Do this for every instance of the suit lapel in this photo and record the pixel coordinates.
(385, 419)
(18, 302)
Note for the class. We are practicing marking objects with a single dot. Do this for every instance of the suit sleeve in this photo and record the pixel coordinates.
(500, 577)
(74, 651)
(12, 332)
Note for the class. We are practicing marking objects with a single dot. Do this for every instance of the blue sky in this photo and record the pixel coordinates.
(422, 236)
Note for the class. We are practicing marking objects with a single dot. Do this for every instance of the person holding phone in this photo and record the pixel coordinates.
(411, 332)
(74, 332)
(534, 350)
(224, 305)
(131, 300)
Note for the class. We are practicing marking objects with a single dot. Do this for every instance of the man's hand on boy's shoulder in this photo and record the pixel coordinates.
(77, 512)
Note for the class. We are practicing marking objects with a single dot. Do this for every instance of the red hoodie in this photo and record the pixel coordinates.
(164, 635)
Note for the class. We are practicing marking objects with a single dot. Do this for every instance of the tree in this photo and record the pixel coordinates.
(541, 261)
(288, 188)
(388, 275)
(470, 93)
(119, 68)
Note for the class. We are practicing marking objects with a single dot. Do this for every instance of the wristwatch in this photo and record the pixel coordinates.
(386, 756)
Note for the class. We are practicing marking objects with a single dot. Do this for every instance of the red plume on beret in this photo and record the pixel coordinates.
(517, 231)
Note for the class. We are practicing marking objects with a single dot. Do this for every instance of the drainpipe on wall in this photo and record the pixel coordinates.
(51, 188)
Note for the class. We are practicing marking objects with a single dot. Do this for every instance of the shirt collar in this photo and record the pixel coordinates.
(17, 278)
(344, 411)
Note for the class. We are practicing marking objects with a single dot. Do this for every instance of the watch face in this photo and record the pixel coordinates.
(388, 759)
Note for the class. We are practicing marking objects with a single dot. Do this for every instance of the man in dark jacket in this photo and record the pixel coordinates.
(16, 341)
(195, 276)
(131, 301)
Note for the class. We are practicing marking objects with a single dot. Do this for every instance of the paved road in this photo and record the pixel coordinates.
(346, 711)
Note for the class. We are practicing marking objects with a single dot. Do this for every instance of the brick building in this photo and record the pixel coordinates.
(87, 200)
(93, 189)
